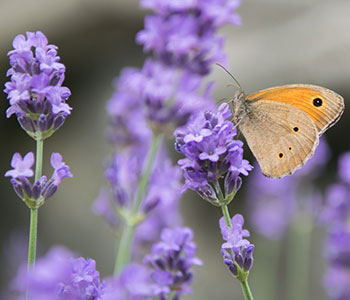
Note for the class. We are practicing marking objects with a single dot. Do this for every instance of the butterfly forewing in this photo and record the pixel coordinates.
(322, 105)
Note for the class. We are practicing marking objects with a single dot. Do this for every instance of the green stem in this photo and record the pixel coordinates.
(224, 208)
(33, 230)
(246, 290)
(39, 158)
(124, 247)
(143, 183)
(32, 236)
(226, 215)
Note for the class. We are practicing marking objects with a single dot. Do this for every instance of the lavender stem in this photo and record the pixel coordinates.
(34, 211)
(124, 248)
(246, 290)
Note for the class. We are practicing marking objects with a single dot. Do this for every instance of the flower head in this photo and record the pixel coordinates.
(237, 251)
(211, 152)
(127, 125)
(35, 194)
(172, 259)
(134, 283)
(171, 95)
(183, 33)
(35, 92)
(59, 276)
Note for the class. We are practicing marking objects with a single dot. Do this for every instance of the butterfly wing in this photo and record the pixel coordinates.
(324, 106)
(281, 136)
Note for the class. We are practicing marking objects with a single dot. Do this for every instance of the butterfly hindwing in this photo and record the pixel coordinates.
(281, 136)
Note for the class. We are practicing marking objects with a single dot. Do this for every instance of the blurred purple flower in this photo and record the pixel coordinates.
(338, 246)
(336, 216)
(35, 194)
(337, 209)
(344, 167)
(134, 283)
(58, 276)
(172, 259)
(211, 152)
(184, 33)
(160, 205)
(336, 281)
(171, 96)
(127, 125)
(35, 91)
(236, 251)
(21, 167)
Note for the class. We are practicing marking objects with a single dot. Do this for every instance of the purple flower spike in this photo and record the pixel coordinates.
(211, 152)
(127, 125)
(21, 167)
(134, 283)
(171, 96)
(183, 33)
(59, 276)
(237, 252)
(172, 258)
(35, 91)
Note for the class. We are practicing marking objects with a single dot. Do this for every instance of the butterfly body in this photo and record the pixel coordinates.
(282, 125)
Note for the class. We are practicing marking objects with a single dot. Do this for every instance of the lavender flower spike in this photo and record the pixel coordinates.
(184, 33)
(35, 92)
(211, 153)
(236, 251)
(59, 276)
(172, 259)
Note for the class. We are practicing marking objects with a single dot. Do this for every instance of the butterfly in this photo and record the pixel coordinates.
(282, 124)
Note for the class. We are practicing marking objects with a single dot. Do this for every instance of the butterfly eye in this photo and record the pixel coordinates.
(317, 102)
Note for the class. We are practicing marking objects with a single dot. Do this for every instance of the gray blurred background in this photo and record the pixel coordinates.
(279, 42)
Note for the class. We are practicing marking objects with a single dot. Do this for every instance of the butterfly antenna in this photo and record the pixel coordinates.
(228, 72)
(222, 100)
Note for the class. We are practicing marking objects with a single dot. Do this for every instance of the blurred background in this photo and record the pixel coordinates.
(279, 42)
